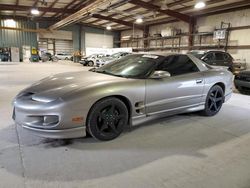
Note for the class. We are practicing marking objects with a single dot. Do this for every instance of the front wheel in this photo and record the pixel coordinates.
(214, 101)
(107, 119)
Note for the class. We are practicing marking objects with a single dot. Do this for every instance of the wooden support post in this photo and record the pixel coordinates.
(191, 32)
(145, 37)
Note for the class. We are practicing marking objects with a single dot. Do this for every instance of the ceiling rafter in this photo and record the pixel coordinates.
(65, 8)
(17, 2)
(89, 7)
(155, 22)
(115, 14)
(208, 11)
(27, 8)
(51, 6)
(35, 3)
(122, 22)
(147, 11)
(152, 7)
(179, 2)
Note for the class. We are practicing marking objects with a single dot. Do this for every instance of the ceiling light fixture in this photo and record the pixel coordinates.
(34, 11)
(139, 20)
(199, 5)
(108, 28)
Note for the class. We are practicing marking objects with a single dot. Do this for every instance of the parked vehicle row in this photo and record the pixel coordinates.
(99, 60)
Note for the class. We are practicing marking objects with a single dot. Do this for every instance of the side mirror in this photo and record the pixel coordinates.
(160, 74)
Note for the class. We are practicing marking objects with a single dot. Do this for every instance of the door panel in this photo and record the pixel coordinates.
(173, 92)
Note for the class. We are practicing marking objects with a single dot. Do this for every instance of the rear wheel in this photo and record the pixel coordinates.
(107, 119)
(91, 64)
(214, 101)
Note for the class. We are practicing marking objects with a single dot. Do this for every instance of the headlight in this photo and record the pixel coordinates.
(43, 99)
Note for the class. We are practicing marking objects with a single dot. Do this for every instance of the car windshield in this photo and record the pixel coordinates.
(197, 54)
(131, 66)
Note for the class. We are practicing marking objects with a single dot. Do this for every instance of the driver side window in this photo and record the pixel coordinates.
(178, 65)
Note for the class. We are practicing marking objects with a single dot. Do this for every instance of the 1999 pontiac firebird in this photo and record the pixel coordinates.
(103, 101)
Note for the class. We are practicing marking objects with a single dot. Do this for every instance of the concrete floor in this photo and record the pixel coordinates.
(181, 151)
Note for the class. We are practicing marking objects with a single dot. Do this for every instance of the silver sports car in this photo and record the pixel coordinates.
(102, 102)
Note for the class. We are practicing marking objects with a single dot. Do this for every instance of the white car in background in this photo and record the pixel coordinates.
(105, 60)
(64, 56)
(91, 60)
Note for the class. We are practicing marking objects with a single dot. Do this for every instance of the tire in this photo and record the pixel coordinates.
(66, 58)
(91, 63)
(214, 101)
(107, 119)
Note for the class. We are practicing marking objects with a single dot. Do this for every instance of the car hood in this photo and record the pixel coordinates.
(53, 87)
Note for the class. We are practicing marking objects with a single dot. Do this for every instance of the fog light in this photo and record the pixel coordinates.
(50, 119)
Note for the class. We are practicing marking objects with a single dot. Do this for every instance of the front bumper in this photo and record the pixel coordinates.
(57, 134)
(32, 116)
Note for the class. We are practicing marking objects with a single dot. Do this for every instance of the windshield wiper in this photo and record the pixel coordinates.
(109, 73)
(104, 72)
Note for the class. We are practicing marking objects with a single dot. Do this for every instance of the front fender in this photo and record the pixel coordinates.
(83, 99)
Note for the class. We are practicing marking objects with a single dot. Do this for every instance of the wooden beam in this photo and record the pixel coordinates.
(191, 32)
(65, 8)
(25, 18)
(75, 17)
(122, 22)
(27, 8)
(51, 6)
(152, 7)
(35, 3)
(24, 29)
(17, 2)
(77, 6)
(179, 2)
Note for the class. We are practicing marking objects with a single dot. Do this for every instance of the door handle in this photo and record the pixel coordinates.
(199, 81)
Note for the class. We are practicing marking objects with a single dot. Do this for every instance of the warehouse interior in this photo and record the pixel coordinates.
(42, 38)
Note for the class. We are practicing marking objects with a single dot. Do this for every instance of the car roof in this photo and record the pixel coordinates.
(160, 53)
(206, 51)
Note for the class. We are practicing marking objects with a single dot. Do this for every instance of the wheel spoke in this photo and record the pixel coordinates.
(211, 99)
(216, 93)
(211, 105)
(215, 107)
(218, 99)
(118, 117)
(112, 126)
(104, 126)
(101, 115)
(112, 109)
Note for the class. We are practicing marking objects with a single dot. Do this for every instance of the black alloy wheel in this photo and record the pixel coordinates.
(107, 119)
(214, 101)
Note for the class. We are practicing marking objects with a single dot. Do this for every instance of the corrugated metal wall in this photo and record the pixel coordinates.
(11, 38)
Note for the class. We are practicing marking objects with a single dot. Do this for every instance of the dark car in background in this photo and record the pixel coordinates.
(219, 58)
(242, 82)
